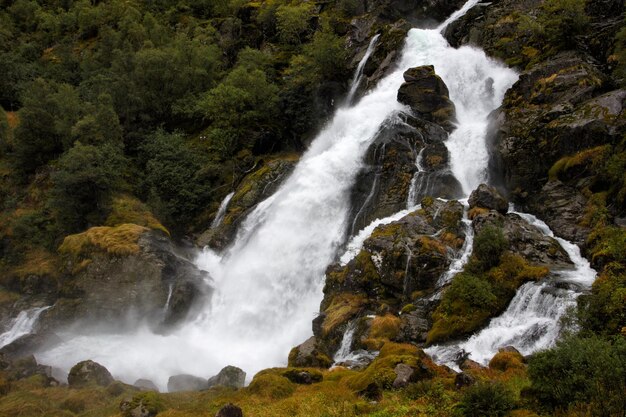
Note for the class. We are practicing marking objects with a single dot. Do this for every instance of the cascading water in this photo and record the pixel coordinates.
(358, 74)
(532, 320)
(268, 284)
(22, 325)
(222, 210)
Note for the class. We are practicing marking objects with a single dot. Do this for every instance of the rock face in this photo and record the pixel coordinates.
(230, 376)
(255, 187)
(488, 197)
(89, 373)
(120, 289)
(185, 382)
(427, 95)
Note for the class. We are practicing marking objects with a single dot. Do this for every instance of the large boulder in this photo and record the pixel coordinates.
(186, 382)
(89, 373)
(308, 354)
(230, 376)
(146, 385)
(229, 410)
(115, 274)
(427, 96)
(487, 197)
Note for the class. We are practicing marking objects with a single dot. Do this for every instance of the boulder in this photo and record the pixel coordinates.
(230, 376)
(186, 382)
(89, 373)
(403, 375)
(229, 410)
(146, 385)
(120, 287)
(308, 354)
(372, 392)
(427, 96)
(486, 196)
(463, 379)
(303, 377)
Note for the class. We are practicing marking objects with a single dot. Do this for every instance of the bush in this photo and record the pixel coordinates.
(489, 244)
(487, 399)
(588, 372)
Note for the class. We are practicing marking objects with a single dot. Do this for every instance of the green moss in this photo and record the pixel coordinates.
(386, 327)
(128, 209)
(579, 163)
(150, 403)
(271, 386)
(342, 308)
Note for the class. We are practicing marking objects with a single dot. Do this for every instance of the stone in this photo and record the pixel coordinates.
(486, 196)
(89, 373)
(463, 379)
(308, 354)
(372, 392)
(146, 385)
(230, 376)
(403, 375)
(302, 377)
(427, 96)
(186, 382)
(229, 410)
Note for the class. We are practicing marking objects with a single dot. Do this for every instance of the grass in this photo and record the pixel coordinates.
(128, 209)
(384, 327)
(341, 309)
(119, 241)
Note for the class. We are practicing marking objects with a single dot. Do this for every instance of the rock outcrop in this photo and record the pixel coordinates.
(487, 197)
(230, 377)
(186, 382)
(89, 373)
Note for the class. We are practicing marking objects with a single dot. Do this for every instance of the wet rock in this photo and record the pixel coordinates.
(308, 354)
(89, 373)
(509, 349)
(186, 382)
(230, 376)
(486, 196)
(255, 187)
(229, 410)
(29, 344)
(463, 379)
(468, 365)
(303, 377)
(102, 287)
(414, 325)
(146, 385)
(403, 375)
(428, 96)
(525, 240)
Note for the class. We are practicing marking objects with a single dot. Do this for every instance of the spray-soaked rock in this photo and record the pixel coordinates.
(186, 382)
(486, 196)
(89, 373)
(428, 96)
(230, 376)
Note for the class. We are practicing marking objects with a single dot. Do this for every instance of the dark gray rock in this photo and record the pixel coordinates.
(463, 379)
(89, 373)
(230, 376)
(186, 382)
(486, 196)
(229, 410)
(403, 375)
(428, 96)
(308, 354)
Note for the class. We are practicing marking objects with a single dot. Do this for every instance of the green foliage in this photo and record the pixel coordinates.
(4, 132)
(150, 403)
(292, 22)
(562, 21)
(175, 182)
(328, 54)
(487, 399)
(83, 181)
(604, 310)
(489, 244)
(50, 110)
(620, 56)
(582, 372)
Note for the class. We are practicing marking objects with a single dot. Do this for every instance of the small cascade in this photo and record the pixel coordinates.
(532, 320)
(464, 254)
(221, 212)
(22, 325)
(405, 285)
(169, 297)
(366, 202)
(358, 74)
(352, 359)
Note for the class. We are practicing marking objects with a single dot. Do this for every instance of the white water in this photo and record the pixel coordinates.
(268, 286)
(222, 211)
(532, 320)
(21, 325)
(358, 74)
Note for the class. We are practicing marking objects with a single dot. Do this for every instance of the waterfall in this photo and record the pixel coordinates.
(358, 74)
(22, 325)
(343, 353)
(268, 285)
(222, 211)
(531, 322)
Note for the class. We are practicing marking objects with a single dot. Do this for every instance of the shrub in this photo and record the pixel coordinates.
(581, 371)
(489, 244)
(487, 399)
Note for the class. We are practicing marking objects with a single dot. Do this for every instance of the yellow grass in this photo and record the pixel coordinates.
(119, 240)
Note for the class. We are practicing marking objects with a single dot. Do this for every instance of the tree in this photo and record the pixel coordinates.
(50, 110)
(100, 125)
(84, 179)
(292, 22)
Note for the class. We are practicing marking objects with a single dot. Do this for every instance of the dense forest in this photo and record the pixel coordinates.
(118, 112)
